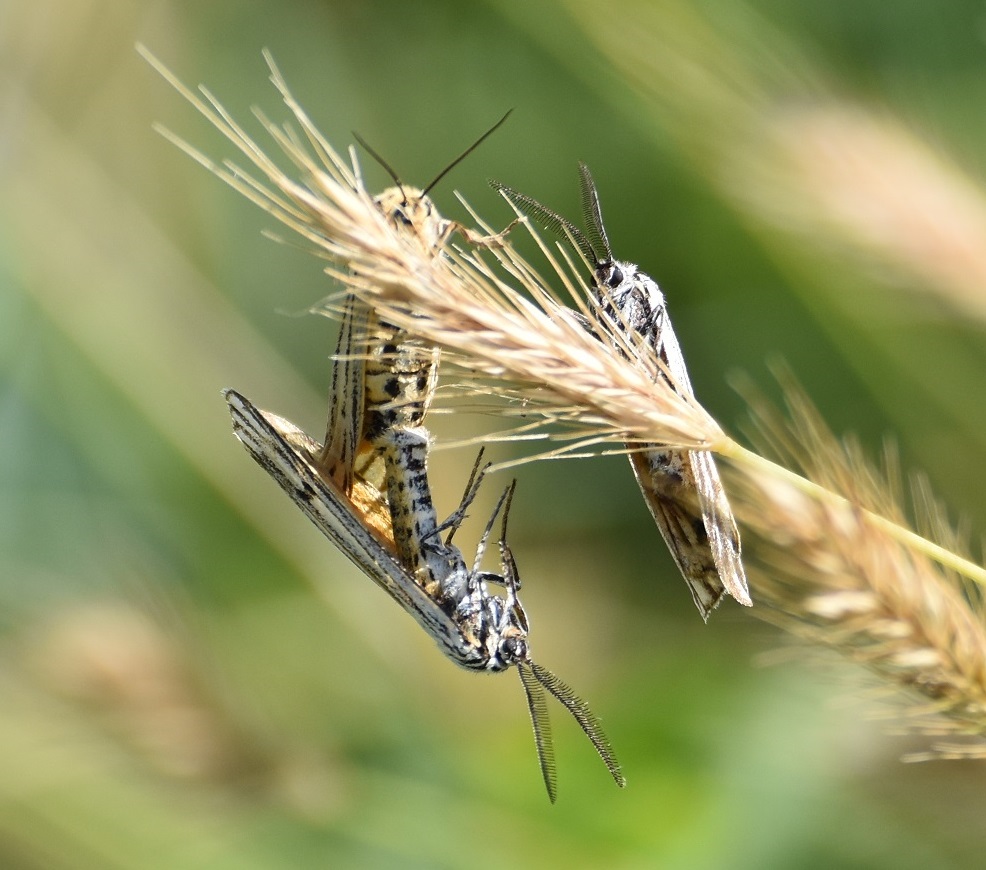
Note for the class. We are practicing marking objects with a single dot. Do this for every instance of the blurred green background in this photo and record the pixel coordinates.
(190, 676)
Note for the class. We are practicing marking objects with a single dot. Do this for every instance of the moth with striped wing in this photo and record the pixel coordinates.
(682, 488)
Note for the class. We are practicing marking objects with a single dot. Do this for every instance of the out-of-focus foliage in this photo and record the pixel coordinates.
(192, 677)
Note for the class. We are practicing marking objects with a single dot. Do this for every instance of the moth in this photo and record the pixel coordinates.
(473, 627)
(682, 488)
(383, 376)
(383, 383)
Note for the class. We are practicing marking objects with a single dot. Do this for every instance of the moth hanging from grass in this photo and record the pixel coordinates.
(682, 488)
(383, 376)
(476, 629)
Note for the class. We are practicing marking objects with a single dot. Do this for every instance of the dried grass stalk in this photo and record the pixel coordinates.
(835, 561)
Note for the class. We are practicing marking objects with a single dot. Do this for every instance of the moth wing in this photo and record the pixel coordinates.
(685, 496)
(720, 526)
(290, 457)
(670, 353)
(665, 477)
(344, 430)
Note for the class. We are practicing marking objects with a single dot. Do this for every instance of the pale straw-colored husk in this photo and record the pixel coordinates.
(837, 572)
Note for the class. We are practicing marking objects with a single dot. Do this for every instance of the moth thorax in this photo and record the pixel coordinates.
(634, 302)
(455, 586)
(647, 288)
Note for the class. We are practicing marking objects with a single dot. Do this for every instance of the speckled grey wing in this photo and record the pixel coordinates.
(720, 525)
(382, 378)
(344, 429)
(699, 530)
(288, 455)
(683, 491)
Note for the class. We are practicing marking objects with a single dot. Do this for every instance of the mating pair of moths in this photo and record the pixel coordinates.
(366, 488)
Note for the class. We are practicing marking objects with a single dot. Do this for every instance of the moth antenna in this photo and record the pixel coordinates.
(466, 153)
(386, 166)
(592, 213)
(583, 715)
(549, 219)
(537, 706)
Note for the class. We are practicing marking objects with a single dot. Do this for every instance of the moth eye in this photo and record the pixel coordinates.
(514, 649)
(401, 217)
(615, 277)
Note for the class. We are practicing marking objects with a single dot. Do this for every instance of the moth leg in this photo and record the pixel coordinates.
(472, 489)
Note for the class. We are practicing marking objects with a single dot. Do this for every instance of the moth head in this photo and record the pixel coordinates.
(508, 627)
(610, 274)
(513, 648)
(407, 208)
(507, 643)
(499, 626)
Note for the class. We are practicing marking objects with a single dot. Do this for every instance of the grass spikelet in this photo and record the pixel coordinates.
(456, 300)
(831, 571)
